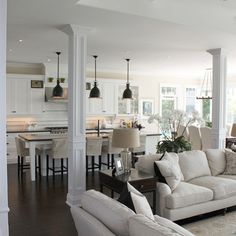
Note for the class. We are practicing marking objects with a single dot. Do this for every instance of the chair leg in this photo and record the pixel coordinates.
(62, 167)
(53, 168)
(99, 162)
(47, 165)
(39, 163)
(22, 163)
(112, 161)
(93, 165)
(108, 161)
(18, 165)
(86, 165)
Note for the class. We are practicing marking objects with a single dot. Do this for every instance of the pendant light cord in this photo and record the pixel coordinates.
(95, 71)
(58, 54)
(127, 70)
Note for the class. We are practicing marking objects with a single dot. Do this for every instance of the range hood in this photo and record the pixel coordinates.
(49, 98)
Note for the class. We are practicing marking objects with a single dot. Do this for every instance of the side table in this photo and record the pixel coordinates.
(143, 182)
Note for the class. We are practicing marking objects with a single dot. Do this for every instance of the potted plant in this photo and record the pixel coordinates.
(50, 79)
(62, 80)
(169, 126)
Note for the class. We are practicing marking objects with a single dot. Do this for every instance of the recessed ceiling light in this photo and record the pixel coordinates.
(20, 40)
(48, 59)
(10, 50)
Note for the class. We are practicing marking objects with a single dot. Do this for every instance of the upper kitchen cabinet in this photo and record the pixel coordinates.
(21, 98)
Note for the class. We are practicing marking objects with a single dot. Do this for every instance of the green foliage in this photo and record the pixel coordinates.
(176, 145)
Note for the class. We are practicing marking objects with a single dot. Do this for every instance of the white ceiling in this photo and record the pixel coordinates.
(162, 37)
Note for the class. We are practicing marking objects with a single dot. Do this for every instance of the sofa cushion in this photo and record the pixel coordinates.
(221, 187)
(136, 201)
(193, 164)
(228, 176)
(216, 161)
(146, 163)
(86, 224)
(230, 168)
(187, 194)
(111, 213)
(169, 224)
(140, 225)
(170, 170)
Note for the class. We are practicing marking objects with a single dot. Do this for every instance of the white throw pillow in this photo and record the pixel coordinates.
(193, 164)
(170, 169)
(140, 202)
(230, 163)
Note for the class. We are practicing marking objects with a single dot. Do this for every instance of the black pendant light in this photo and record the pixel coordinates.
(95, 92)
(127, 94)
(58, 90)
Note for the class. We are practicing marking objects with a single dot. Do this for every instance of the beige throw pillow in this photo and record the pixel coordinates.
(230, 163)
(170, 169)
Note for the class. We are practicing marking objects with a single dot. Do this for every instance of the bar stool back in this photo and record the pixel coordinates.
(110, 151)
(58, 151)
(93, 148)
(22, 153)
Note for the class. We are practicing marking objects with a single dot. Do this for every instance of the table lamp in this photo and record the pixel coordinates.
(126, 138)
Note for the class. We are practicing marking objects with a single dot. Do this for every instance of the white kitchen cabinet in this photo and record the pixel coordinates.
(37, 104)
(21, 98)
(109, 99)
(18, 96)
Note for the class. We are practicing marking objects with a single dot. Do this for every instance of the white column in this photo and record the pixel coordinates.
(4, 229)
(218, 97)
(76, 111)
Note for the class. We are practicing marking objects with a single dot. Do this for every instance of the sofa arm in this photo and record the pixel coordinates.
(162, 191)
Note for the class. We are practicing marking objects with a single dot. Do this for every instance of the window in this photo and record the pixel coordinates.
(190, 99)
(168, 99)
(231, 105)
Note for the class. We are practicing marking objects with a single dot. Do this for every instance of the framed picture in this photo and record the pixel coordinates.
(36, 83)
(119, 166)
(147, 107)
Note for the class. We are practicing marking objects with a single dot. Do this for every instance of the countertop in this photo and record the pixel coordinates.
(27, 131)
(88, 131)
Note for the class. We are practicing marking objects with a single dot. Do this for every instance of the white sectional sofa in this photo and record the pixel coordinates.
(205, 187)
(100, 215)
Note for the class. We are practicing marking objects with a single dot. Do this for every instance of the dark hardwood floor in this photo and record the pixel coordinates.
(39, 208)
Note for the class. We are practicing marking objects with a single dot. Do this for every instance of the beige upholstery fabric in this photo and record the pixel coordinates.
(228, 176)
(20, 148)
(59, 148)
(146, 163)
(195, 137)
(181, 130)
(187, 194)
(170, 170)
(230, 168)
(86, 224)
(109, 149)
(140, 225)
(206, 137)
(216, 161)
(111, 213)
(221, 187)
(233, 130)
(193, 164)
(140, 202)
(169, 224)
(93, 146)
